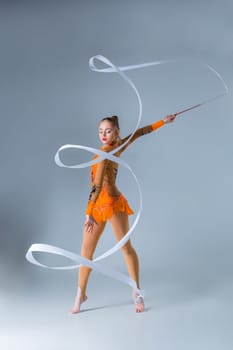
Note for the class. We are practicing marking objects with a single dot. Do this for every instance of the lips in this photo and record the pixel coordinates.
(104, 139)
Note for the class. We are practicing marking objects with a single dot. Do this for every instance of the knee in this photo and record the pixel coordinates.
(128, 249)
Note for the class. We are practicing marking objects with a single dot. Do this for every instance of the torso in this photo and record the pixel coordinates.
(110, 174)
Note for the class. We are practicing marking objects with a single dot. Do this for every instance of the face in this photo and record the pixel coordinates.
(108, 133)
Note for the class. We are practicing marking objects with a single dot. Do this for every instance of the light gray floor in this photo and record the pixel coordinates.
(175, 318)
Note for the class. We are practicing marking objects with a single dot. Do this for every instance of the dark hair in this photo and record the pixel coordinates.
(113, 119)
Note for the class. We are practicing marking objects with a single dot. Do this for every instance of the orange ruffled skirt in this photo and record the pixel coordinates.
(107, 205)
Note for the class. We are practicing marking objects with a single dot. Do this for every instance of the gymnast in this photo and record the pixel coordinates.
(106, 202)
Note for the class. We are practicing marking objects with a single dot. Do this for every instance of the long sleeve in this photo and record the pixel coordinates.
(142, 131)
(96, 185)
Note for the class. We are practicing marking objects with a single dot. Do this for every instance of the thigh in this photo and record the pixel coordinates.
(90, 240)
(120, 224)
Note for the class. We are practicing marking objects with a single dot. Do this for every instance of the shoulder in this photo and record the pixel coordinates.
(103, 162)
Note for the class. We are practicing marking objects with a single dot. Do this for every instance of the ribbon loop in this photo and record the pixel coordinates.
(79, 260)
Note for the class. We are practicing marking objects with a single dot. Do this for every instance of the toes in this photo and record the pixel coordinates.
(75, 311)
(140, 307)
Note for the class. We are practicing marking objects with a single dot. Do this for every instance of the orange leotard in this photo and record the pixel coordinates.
(105, 199)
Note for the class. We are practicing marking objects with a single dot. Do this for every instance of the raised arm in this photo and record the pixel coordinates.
(147, 129)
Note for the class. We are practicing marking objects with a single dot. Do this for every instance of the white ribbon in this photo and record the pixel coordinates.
(79, 260)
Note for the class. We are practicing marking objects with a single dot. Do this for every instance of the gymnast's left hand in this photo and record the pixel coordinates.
(169, 118)
(89, 223)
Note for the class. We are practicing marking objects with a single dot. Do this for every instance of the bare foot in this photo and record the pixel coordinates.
(138, 301)
(78, 301)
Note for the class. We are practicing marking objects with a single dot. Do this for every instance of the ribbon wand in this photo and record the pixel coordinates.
(202, 103)
(187, 109)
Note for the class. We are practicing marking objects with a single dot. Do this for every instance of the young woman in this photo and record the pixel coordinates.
(107, 203)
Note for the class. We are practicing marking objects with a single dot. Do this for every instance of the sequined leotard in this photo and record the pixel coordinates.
(105, 199)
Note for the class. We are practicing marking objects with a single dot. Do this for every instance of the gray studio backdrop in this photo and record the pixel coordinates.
(49, 98)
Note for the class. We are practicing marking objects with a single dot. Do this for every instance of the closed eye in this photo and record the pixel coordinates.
(108, 131)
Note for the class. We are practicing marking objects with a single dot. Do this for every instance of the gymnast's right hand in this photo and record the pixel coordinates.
(89, 223)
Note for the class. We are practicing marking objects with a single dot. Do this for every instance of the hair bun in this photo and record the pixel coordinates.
(115, 120)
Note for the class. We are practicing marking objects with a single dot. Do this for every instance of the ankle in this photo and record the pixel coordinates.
(137, 292)
(81, 292)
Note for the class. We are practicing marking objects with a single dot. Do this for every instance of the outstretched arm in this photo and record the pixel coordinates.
(147, 129)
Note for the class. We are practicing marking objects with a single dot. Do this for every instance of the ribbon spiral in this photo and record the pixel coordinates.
(79, 260)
